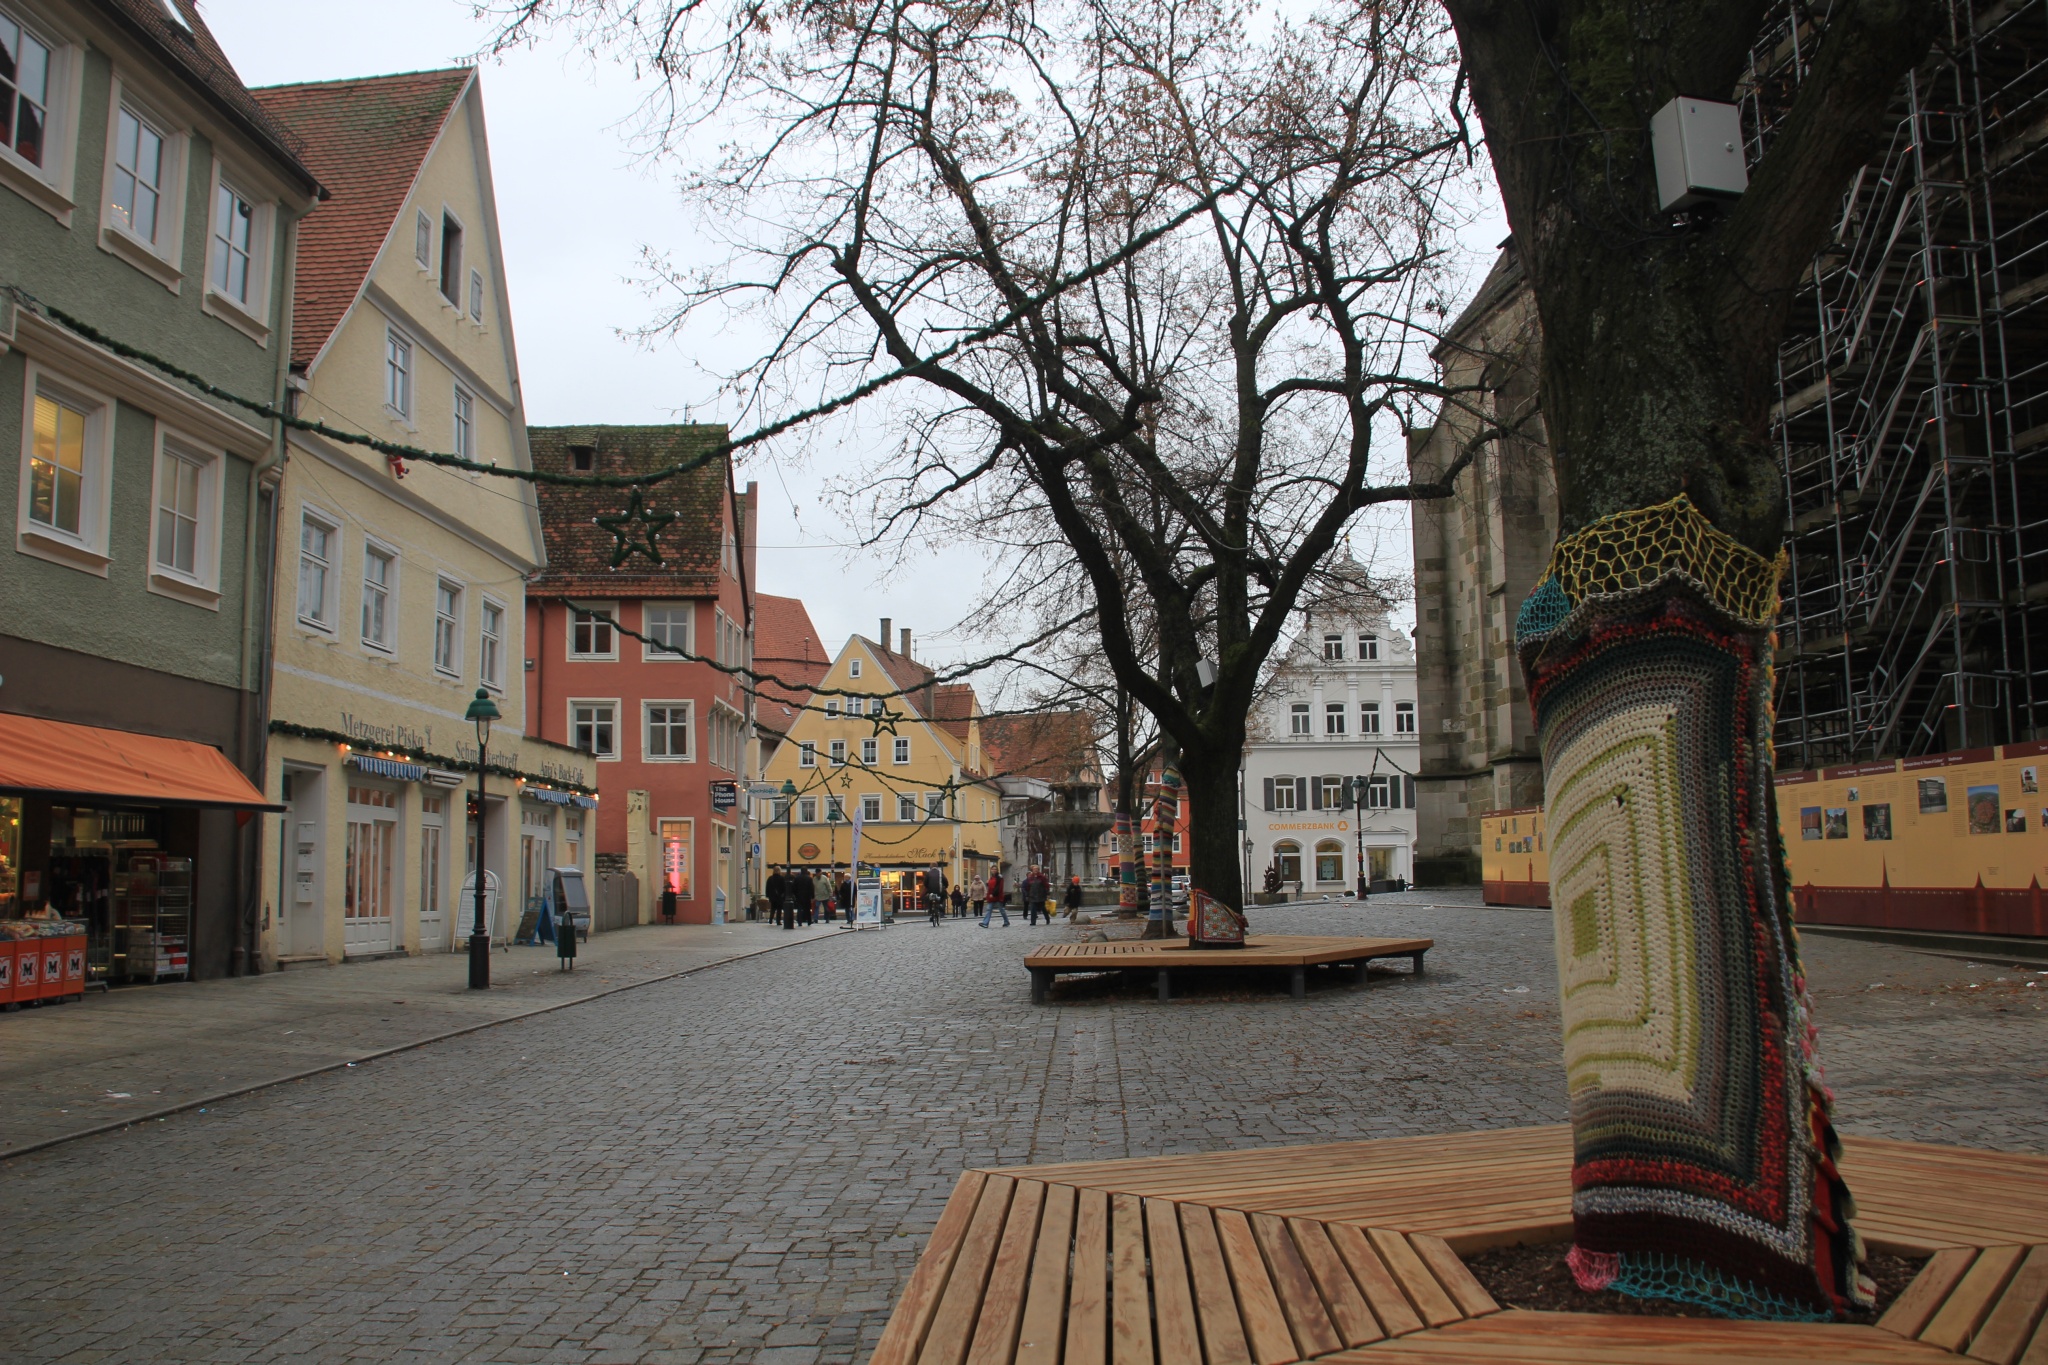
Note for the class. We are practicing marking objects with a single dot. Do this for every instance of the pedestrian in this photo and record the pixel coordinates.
(806, 897)
(1034, 896)
(993, 902)
(846, 897)
(1073, 898)
(778, 894)
(935, 894)
(823, 894)
(959, 903)
(979, 891)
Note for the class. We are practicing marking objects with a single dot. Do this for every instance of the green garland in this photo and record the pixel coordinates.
(297, 731)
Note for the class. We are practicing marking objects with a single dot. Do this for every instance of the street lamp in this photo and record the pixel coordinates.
(483, 711)
(788, 845)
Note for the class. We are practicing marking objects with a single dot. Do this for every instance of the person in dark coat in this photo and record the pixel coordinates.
(777, 891)
(806, 896)
(846, 897)
(935, 894)
(1035, 888)
(1073, 897)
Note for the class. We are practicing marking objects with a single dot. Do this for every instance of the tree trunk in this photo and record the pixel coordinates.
(1209, 781)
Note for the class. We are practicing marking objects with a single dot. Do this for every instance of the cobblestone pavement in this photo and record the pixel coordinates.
(742, 1165)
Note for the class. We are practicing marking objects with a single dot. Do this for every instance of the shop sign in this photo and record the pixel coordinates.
(389, 736)
(559, 772)
(808, 852)
(725, 795)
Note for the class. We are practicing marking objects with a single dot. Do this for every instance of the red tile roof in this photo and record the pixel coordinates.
(579, 550)
(1048, 745)
(912, 679)
(191, 50)
(955, 707)
(786, 645)
(366, 139)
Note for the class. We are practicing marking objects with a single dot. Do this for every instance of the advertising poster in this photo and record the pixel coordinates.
(867, 902)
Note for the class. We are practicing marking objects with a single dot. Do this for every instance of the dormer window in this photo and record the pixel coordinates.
(583, 458)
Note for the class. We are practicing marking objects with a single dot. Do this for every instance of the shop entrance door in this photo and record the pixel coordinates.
(535, 827)
(1380, 864)
(304, 886)
(434, 931)
(367, 903)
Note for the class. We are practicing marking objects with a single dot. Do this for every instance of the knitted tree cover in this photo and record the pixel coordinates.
(1704, 1153)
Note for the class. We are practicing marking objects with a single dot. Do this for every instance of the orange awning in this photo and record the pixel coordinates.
(86, 763)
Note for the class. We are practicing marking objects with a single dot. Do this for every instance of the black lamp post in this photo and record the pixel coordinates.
(788, 851)
(483, 711)
(1359, 796)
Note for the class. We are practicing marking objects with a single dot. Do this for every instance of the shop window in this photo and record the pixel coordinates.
(316, 572)
(1287, 854)
(448, 628)
(591, 635)
(667, 628)
(593, 727)
(668, 731)
(1404, 717)
(1329, 861)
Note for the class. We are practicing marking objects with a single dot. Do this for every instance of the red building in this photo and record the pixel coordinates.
(791, 660)
(602, 674)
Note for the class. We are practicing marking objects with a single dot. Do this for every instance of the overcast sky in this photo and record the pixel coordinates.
(576, 208)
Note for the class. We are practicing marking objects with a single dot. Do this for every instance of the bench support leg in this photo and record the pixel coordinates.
(1416, 958)
(1040, 979)
(1165, 985)
(1300, 982)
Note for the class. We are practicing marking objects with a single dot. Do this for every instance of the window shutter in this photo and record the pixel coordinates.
(1408, 792)
(1301, 793)
(1315, 793)
(1269, 793)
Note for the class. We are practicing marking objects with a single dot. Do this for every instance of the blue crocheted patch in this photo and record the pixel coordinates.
(1652, 1276)
(1542, 611)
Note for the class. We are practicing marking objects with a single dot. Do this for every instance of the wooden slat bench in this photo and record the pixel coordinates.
(1350, 1252)
(1294, 954)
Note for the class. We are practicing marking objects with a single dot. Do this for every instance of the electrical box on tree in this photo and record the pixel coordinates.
(1697, 145)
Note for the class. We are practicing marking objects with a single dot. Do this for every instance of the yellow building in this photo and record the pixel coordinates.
(880, 738)
(400, 585)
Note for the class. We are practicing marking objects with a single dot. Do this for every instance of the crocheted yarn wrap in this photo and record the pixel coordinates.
(1704, 1149)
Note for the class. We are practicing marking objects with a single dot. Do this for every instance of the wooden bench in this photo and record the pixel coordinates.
(1350, 1252)
(1294, 954)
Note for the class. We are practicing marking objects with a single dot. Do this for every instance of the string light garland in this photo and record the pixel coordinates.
(348, 743)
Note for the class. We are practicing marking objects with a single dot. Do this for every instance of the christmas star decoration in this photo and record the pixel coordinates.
(624, 525)
(884, 719)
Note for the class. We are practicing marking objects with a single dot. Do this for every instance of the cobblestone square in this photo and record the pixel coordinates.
(742, 1164)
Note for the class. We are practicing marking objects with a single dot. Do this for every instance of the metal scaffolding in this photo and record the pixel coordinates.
(1912, 410)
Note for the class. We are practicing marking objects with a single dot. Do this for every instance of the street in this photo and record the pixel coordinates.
(742, 1164)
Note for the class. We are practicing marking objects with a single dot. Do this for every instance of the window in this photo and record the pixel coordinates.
(838, 752)
(807, 755)
(380, 572)
(906, 806)
(316, 572)
(592, 727)
(668, 623)
(868, 749)
(465, 423)
(1333, 793)
(57, 460)
(834, 810)
(1333, 718)
(1379, 793)
(1404, 717)
(935, 805)
(476, 296)
(831, 706)
(491, 645)
(668, 731)
(423, 239)
(1298, 719)
(447, 627)
(138, 174)
(807, 810)
(902, 754)
(1368, 647)
(24, 91)
(451, 259)
(234, 242)
(1333, 648)
(870, 807)
(853, 668)
(184, 513)
(1369, 718)
(591, 637)
(1176, 843)
(1283, 797)
(397, 374)
(1329, 861)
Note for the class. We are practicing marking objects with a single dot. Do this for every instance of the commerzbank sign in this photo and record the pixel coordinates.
(1308, 824)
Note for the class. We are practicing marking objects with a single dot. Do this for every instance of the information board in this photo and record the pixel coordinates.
(867, 902)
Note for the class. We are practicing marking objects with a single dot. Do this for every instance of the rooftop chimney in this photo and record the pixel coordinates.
(885, 635)
(905, 651)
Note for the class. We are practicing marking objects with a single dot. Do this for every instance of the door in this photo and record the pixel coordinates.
(536, 826)
(678, 871)
(434, 928)
(1380, 864)
(304, 934)
(367, 911)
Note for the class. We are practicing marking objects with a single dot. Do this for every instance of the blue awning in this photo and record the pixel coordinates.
(585, 802)
(391, 768)
(551, 797)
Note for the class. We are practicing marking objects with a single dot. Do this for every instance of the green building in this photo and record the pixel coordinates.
(145, 193)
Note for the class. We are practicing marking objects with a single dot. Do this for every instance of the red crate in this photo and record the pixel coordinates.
(74, 964)
(28, 970)
(52, 950)
(7, 956)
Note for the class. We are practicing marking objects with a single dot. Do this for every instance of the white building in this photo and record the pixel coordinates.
(1340, 706)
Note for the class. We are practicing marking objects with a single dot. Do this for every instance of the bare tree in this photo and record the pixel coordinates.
(1163, 264)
